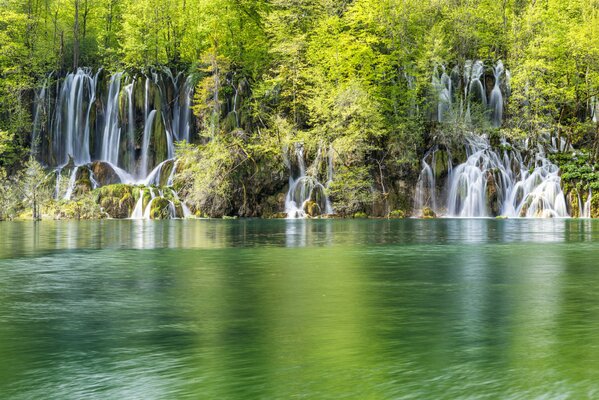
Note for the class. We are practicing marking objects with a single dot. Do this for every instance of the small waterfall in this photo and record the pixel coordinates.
(496, 100)
(585, 209)
(146, 214)
(496, 182)
(182, 110)
(58, 173)
(443, 87)
(72, 181)
(145, 146)
(138, 211)
(130, 124)
(304, 189)
(594, 109)
(112, 130)
(426, 187)
(71, 119)
(461, 94)
(40, 115)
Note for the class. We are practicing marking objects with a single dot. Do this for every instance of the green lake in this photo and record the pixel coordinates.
(281, 309)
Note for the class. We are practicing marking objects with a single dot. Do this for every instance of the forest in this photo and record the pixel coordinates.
(310, 107)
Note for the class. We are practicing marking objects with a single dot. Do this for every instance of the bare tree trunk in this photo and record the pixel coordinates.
(76, 37)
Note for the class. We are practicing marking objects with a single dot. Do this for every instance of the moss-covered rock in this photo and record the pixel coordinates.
(83, 183)
(160, 208)
(118, 201)
(312, 209)
(397, 214)
(493, 201)
(427, 213)
(360, 215)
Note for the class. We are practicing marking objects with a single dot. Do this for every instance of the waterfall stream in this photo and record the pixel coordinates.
(493, 182)
(306, 195)
(457, 95)
(95, 117)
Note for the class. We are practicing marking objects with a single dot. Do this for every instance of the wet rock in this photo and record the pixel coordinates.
(118, 201)
(427, 212)
(160, 208)
(83, 183)
(312, 209)
(493, 203)
(104, 173)
(397, 214)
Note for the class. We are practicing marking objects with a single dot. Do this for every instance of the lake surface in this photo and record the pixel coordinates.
(437, 309)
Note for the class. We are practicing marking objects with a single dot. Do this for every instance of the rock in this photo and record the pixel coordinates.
(397, 214)
(278, 215)
(117, 200)
(83, 183)
(427, 212)
(160, 208)
(104, 174)
(492, 196)
(312, 209)
(360, 214)
(573, 204)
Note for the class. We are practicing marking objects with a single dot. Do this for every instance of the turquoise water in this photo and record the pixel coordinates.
(438, 309)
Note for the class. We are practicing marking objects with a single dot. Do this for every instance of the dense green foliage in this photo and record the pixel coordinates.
(354, 75)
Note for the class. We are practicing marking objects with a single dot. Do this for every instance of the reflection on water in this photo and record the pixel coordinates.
(312, 309)
(24, 238)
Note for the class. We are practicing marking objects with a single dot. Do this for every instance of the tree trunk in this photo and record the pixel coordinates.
(76, 37)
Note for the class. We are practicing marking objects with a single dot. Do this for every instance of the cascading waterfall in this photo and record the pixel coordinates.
(306, 195)
(72, 117)
(451, 105)
(496, 99)
(89, 118)
(426, 187)
(145, 147)
(585, 208)
(498, 182)
(93, 117)
(112, 129)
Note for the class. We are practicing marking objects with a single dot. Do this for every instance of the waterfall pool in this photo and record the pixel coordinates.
(278, 309)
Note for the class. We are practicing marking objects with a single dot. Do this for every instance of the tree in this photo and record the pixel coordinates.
(34, 187)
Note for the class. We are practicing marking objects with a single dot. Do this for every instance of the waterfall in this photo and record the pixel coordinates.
(496, 100)
(70, 133)
(112, 131)
(145, 147)
(40, 115)
(130, 124)
(459, 95)
(443, 85)
(138, 209)
(586, 210)
(90, 117)
(426, 186)
(72, 181)
(182, 111)
(497, 182)
(305, 191)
